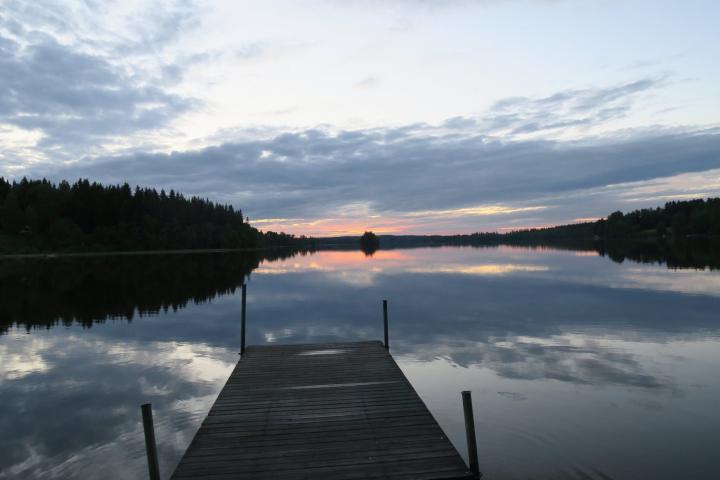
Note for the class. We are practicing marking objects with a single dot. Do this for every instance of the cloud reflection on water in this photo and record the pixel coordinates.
(582, 340)
(78, 417)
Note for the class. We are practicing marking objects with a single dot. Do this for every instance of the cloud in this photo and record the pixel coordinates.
(368, 82)
(77, 84)
(479, 210)
(126, 28)
(581, 108)
(160, 25)
(439, 4)
(396, 172)
(488, 171)
(74, 97)
(250, 50)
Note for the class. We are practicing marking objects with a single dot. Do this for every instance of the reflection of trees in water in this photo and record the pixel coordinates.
(696, 253)
(369, 243)
(43, 292)
(692, 252)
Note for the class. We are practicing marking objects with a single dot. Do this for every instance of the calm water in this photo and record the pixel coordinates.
(580, 367)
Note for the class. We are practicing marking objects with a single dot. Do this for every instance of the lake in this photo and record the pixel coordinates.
(582, 366)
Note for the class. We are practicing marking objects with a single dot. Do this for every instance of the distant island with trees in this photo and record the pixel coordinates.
(369, 243)
(39, 216)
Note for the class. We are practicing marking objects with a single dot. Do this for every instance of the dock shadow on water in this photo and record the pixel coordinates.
(584, 362)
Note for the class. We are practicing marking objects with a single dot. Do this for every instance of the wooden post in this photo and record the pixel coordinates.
(242, 320)
(385, 318)
(470, 433)
(150, 447)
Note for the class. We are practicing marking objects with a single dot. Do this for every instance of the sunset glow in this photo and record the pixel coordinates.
(332, 260)
(333, 227)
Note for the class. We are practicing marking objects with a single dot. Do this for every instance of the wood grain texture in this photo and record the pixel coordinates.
(331, 410)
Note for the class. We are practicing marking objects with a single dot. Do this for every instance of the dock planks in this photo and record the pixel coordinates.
(320, 411)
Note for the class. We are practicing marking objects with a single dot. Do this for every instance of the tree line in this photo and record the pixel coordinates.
(675, 220)
(38, 215)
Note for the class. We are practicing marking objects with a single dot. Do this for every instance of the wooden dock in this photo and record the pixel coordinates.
(320, 411)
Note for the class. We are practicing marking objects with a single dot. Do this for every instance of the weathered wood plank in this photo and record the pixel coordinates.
(329, 410)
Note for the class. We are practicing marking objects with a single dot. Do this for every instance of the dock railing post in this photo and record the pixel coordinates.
(385, 319)
(150, 447)
(470, 433)
(242, 319)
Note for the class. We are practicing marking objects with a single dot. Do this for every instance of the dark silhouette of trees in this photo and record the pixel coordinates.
(676, 219)
(369, 243)
(88, 289)
(37, 215)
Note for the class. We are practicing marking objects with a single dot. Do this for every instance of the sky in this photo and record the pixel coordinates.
(332, 117)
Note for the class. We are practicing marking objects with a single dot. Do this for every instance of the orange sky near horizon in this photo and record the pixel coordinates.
(331, 227)
(430, 222)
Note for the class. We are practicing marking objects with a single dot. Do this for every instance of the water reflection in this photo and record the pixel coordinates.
(581, 367)
(49, 291)
(699, 253)
(44, 292)
(74, 406)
